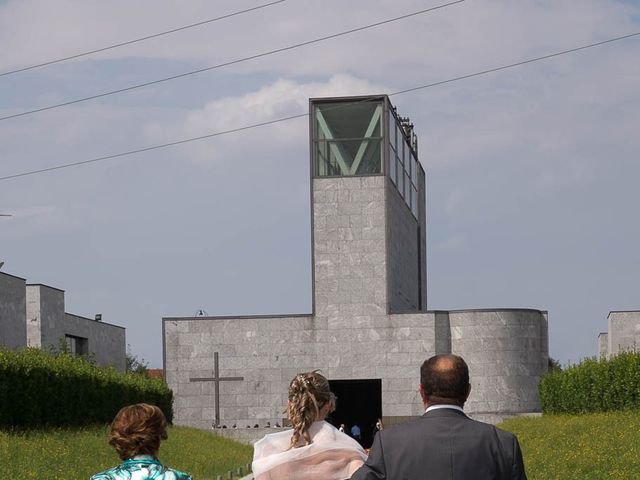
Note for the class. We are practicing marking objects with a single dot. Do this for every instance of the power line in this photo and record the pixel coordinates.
(141, 39)
(155, 147)
(306, 114)
(517, 64)
(232, 62)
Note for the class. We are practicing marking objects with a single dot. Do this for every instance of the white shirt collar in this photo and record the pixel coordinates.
(443, 405)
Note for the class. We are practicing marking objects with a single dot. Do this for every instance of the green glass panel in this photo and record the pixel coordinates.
(414, 170)
(392, 130)
(348, 157)
(348, 120)
(392, 164)
(407, 189)
(414, 201)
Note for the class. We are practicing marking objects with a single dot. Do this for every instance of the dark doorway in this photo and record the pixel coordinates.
(359, 402)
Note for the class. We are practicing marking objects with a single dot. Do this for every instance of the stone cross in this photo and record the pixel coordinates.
(216, 379)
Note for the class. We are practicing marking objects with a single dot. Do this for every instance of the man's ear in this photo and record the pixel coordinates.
(422, 394)
(468, 393)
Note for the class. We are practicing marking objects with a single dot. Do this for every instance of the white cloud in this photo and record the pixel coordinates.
(284, 97)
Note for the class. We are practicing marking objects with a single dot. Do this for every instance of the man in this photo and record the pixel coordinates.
(443, 444)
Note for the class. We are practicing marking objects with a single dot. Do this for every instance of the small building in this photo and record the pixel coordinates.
(33, 315)
(370, 328)
(623, 334)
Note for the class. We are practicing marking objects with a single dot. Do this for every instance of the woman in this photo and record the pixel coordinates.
(135, 434)
(314, 449)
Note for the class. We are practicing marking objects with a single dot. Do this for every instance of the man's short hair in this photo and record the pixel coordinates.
(445, 379)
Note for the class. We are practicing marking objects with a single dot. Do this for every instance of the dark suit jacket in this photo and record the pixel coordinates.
(443, 444)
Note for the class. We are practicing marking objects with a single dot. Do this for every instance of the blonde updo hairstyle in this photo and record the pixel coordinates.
(138, 430)
(308, 393)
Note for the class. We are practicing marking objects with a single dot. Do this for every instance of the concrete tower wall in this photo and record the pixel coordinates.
(603, 345)
(13, 333)
(507, 354)
(349, 246)
(45, 316)
(624, 332)
(404, 271)
(422, 221)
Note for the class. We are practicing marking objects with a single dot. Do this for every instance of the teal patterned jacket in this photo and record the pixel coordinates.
(141, 467)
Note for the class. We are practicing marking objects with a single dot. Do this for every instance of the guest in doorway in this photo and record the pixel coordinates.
(355, 432)
(135, 433)
(313, 448)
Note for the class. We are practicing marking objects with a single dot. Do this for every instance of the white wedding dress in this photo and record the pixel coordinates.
(332, 455)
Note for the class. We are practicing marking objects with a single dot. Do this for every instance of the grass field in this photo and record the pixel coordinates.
(64, 454)
(593, 447)
(555, 447)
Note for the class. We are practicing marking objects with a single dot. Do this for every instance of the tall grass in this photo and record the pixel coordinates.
(595, 446)
(78, 453)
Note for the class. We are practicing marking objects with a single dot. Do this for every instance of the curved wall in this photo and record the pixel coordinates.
(507, 354)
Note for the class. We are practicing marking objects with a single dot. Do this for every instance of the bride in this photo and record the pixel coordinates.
(314, 449)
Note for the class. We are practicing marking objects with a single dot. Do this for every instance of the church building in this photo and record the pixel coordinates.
(370, 328)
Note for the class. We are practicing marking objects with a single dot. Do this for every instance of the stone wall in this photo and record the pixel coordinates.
(507, 354)
(107, 343)
(269, 352)
(403, 254)
(349, 246)
(266, 351)
(422, 222)
(624, 332)
(603, 345)
(248, 436)
(506, 351)
(13, 333)
(45, 315)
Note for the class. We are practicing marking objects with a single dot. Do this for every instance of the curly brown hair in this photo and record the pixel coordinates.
(308, 393)
(138, 430)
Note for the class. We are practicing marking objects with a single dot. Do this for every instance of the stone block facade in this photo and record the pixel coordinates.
(505, 350)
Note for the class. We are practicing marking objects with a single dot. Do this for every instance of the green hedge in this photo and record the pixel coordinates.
(37, 388)
(593, 386)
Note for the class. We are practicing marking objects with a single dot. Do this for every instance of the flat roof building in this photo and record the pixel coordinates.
(370, 329)
(623, 334)
(33, 315)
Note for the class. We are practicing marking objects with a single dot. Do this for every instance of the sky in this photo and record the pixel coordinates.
(532, 172)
